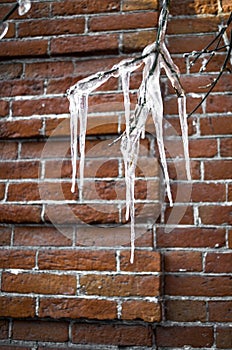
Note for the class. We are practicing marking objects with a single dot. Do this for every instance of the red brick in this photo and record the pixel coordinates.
(220, 311)
(139, 309)
(28, 48)
(45, 150)
(40, 331)
(216, 125)
(21, 87)
(144, 261)
(215, 215)
(134, 5)
(77, 308)
(48, 69)
(11, 70)
(171, 107)
(218, 103)
(177, 170)
(120, 285)
(5, 236)
(39, 283)
(38, 10)
(9, 150)
(85, 44)
(82, 213)
(226, 6)
(17, 259)
(73, 7)
(112, 334)
(185, 311)
(172, 124)
(188, 7)
(124, 21)
(51, 27)
(178, 336)
(182, 261)
(17, 307)
(226, 147)
(15, 347)
(198, 285)
(20, 128)
(192, 25)
(4, 329)
(2, 191)
(191, 237)
(198, 83)
(77, 260)
(178, 44)
(20, 213)
(19, 170)
(223, 337)
(202, 148)
(43, 236)
(43, 106)
(42, 191)
(179, 215)
(218, 169)
(136, 41)
(218, 263)
(4, 108)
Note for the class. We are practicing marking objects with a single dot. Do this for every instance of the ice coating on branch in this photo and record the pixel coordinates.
(24, 6)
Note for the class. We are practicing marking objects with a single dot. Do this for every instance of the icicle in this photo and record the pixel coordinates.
(83, 112)
(4, 26)
(125, 76)
(184, 130)
(24, 6)
(74, 112)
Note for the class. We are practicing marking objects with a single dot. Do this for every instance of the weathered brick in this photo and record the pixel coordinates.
(85, 44)
(112, 334)
(226, 147)
(136, 41)
(19, 170)
(139, 309)
(40, 331)
(2, 191)
(5, 236)
(190, 7)
(4, 108)
(48, 69)
(143, 261)
(21, 87)
(218, 103)
(82, 213)
(218, 263)
(223, 337)
(43, 236)
(120, 285)
(191, 237)
(4, 329)
(20, 128)
(77, 308)
(17, 259)
(218, 169)
(178, 336)
(192, 25)
(27, 48)
(178, 44)
(11, 71)
(216, 125)
(17, 307)
(42, 106)
(20, 213)
(77, 260)
(177, 169)
(215, 214)
(81, 7)
(39, 283)
(179, 215)
(182, 261)
(185, 311)
(41, 191)
(134, 5)
(51, 27)
(124, 21)
(198, 285)
(226, 6)
(220, 311)
(45, 150)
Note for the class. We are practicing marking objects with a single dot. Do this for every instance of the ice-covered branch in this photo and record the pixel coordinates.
(154, 57)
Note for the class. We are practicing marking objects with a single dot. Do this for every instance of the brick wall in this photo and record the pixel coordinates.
(65, 276)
